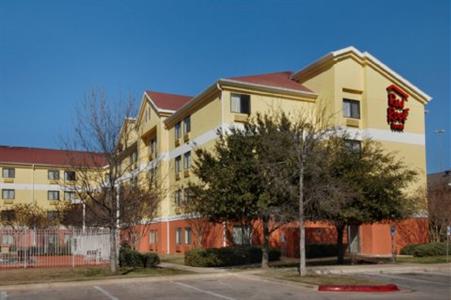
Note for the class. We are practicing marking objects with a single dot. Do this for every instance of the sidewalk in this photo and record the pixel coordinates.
(381, 268)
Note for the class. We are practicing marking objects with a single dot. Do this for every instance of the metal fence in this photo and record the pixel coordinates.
(28, 248)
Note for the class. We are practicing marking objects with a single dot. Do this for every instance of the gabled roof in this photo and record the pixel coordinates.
(277, 80)
(43, 156)
(167, 102)
(364, 57)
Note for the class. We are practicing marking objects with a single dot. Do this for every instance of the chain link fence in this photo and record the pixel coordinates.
(29, 248)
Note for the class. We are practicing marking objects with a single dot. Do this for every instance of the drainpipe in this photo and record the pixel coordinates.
(32, 181)
(218, 86)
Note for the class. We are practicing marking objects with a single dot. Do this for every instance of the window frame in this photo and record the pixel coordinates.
(352, 103)
(66, 176)
(8, 191)
(178, 162)
(153, 237)
(241, 97)
(187, 160)
(187, 124)
(188, 235)
(179, 236)
(351, 145)
(71, 193)
(51, 192)
(177, 130)
(53, 171)
(9, 172)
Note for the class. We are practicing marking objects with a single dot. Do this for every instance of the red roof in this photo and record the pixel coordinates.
(278, 80)
(41, 156)
(168, 101)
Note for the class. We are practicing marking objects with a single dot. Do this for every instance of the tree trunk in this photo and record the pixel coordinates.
(340, 248)
(302, 264)
(265, 248)
(113, 250)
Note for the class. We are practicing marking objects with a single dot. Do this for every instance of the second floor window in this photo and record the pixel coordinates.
(351, 109)
(187, 160)
(187, 125)
(53, 195)
(177, 130)
(53, 175)
(153, 146)
(8, 194)
(9, 172)
(69, 175)
(69, 195)
(240, 103)
(178, 161)
(178, 197)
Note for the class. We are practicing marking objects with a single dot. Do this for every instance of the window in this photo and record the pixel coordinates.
(177, 130)
(9, 173)
(354, 145)
(53, 195)
(52, 216)
(187, 125)
(134, 159)
(8, 215)
(53, 175)
(351, 109)
(153, 147)
(153, 237)
(8, 194)
(69, 175)
(240, 103)
(241, 235)
(187, 160)
(178, 236)
(187, 235)
(187, 195)
(7, 239)
(178, 197)
(69, 195)
(178, 161)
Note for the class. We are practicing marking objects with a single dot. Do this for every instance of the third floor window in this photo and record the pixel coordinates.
(240, 103)
(9, 172)
(177, 130)
(187, 125)
(351, 109)
(69, 175)
(53, 175)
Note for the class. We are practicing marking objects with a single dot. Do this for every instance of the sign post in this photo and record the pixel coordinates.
(448, 234)
(393, 247)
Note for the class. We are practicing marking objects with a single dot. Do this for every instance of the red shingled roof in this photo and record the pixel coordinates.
(41, 156)
(278, 80)
(168, 101)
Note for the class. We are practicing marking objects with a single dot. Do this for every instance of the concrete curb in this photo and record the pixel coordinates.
(110, 281)
(359, 288)
(377, 269)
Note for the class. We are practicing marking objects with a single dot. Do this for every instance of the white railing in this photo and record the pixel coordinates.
(25, 248)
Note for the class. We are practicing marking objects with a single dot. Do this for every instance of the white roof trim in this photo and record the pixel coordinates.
(364, 56)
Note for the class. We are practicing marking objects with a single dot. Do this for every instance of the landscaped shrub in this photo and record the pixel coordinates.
(409, 249)
(227, 256)
(421, 250)
(321, 250)
(150, 259)
(132, 258)
(431, 249)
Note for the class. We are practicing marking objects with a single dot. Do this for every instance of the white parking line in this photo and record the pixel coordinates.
(3, 295)
(106, 293)
(203, 291)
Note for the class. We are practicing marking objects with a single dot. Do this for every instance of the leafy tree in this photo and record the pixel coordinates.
(366, 184)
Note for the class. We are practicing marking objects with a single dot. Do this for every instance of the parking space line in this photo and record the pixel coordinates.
(203, 291)
(3, 295)
(106, 293)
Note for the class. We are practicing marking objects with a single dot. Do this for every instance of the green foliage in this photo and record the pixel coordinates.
(227, 256)
(320, 250)
(409, 249)
(422, 250)
(132, 258)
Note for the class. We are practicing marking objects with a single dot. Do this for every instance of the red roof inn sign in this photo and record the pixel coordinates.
(396, 113)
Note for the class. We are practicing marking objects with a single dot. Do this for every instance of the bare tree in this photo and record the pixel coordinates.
(107, 181)
(439, 205)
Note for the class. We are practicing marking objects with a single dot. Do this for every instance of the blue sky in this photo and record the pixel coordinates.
(53, 52)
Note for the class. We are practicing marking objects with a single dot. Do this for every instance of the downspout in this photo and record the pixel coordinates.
(218, 86)
(32, 181)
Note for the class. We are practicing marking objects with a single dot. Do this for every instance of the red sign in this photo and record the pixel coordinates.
(396, 113)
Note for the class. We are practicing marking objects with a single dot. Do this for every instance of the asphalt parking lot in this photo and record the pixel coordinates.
(231, 287)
